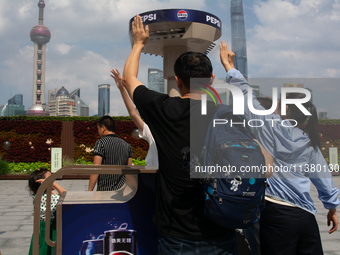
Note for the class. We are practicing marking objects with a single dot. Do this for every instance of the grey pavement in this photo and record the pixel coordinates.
(16, 220)
(16, 209)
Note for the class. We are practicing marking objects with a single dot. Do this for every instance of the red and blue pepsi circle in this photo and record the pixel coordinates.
(182, 15)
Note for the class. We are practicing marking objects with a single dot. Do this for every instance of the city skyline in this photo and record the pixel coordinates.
(284, 39)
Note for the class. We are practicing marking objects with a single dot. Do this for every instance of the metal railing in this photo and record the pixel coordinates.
(71, 170)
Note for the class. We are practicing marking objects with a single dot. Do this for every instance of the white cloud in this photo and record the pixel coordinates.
(17, 73)
(101, 20)
(25, 10)
(77, 69)
(63, 48)
(299, 40)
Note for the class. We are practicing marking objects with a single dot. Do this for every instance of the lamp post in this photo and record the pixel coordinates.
(135, 134)
(6, 145)
(44, 107)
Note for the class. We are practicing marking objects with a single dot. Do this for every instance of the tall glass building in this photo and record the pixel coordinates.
(155, 80)
(12, 110)
(14, 107)
(17, 99)
(82, 108)
(238, 37)
(103, 99)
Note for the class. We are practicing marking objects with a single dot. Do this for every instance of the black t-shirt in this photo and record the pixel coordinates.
(179, 205)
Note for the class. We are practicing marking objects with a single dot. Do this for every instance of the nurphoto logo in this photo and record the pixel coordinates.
(238, 104)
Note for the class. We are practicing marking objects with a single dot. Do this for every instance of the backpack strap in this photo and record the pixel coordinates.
(248, 213)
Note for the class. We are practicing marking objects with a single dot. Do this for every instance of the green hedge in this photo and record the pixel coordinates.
(58, 118)
(27, 168)
(331, 121)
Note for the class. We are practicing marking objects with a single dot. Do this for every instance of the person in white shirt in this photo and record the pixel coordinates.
(144, 130)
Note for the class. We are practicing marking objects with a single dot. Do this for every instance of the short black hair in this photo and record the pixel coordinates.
(266, 102)
(192, 65)
(36, 175)
(108, 122)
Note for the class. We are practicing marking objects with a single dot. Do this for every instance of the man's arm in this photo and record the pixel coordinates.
(140, 38)
(97, 160)
(226, 56)
(129, 106)
(129, 162)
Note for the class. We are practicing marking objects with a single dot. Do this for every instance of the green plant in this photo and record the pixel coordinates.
(4, 169)
(26, 168)
(82, 161)
(138, 162)
(68, 161)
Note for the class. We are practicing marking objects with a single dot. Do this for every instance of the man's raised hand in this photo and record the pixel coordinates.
(227, 56)
(139, 33)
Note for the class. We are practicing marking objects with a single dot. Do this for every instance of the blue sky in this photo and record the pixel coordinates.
(285, 39)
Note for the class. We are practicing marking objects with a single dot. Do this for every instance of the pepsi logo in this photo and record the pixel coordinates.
(182, 15)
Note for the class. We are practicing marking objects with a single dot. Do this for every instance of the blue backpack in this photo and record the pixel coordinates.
(234, 196)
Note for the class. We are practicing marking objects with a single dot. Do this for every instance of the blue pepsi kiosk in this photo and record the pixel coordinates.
(102, 222)
(111, 222)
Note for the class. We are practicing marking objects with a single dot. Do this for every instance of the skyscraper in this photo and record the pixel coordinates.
(293, 85)
(82, 108)
(75, 93)
(14, 107)
(322, 115)
(238, 37)
(63, 105)
(17, 99)
(103, 99)
(51, 95)
(40, 35)
(155, 80)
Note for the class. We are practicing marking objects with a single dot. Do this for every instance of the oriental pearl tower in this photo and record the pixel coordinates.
(40, 35)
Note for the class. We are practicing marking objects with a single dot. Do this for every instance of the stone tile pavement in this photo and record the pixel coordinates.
(16, 220)
(16, 209)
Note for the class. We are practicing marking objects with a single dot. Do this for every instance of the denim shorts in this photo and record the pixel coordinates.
(168, 245)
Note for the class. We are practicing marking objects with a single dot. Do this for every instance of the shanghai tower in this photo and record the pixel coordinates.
(238, 37)
(40, 35)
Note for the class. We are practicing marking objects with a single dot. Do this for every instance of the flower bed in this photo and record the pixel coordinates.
(31, 141)
(32, 138)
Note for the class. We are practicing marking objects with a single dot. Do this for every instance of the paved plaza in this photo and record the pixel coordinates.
(16, 220)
